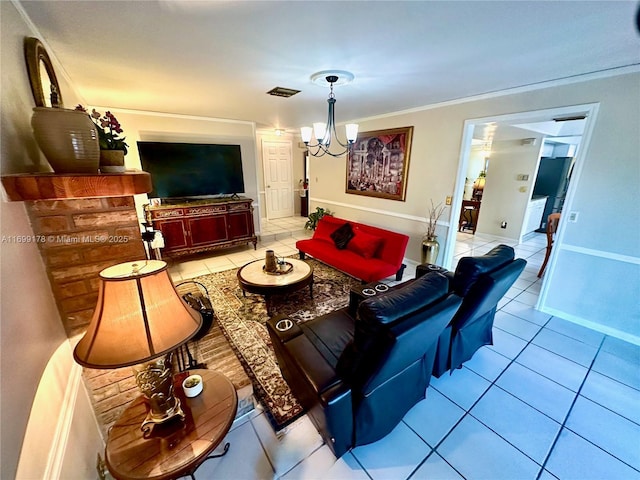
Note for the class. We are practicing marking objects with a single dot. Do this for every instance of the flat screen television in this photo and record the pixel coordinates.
(184, 170)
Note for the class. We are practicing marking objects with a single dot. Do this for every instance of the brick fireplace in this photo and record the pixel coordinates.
(77, 239)
(83, 224)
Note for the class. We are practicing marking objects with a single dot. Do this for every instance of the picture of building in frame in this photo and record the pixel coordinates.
(378, 162)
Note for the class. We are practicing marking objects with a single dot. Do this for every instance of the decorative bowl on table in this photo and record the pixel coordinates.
(192, 385)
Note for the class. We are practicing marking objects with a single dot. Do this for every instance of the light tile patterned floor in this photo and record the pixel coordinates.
(550, 399)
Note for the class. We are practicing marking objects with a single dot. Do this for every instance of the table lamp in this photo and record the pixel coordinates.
(478, 186)
(140, 318)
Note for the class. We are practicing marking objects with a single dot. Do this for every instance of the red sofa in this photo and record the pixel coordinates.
(372, 254)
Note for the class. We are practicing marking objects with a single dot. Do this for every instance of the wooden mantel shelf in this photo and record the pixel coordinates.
(56, 186)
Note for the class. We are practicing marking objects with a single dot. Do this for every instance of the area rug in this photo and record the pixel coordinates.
(243, 321)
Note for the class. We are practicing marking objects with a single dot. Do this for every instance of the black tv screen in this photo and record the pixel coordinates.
(180, 170)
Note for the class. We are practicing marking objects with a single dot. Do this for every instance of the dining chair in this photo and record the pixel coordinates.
(552, 225)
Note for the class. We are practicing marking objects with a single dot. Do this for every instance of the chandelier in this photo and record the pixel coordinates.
(324, 133)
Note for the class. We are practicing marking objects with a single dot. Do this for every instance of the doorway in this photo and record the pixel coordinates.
(589, 111)
(277, 163)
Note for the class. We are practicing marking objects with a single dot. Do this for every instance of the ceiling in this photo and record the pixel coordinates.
(219, 58)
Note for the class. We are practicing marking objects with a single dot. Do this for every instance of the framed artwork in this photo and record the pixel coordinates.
(378, 162)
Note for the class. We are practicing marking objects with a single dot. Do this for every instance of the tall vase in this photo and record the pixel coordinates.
(68, 139)
(270, 261)
(111, 161)
(430, 249)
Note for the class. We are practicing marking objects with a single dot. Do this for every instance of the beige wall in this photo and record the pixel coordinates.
(606, 193)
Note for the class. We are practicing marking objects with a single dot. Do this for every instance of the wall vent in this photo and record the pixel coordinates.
(283, 92)
(569, 119)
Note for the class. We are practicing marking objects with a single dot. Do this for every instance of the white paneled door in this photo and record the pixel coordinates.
(278, 181)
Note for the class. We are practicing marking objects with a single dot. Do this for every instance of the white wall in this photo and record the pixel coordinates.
(503, 198)
(60, 439)
(604, 231)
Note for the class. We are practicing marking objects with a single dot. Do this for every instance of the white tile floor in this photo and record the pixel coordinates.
(550, 399)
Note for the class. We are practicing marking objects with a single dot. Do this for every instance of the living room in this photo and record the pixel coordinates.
(600, 241)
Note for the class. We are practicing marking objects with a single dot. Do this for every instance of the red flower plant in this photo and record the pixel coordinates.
(108, 130)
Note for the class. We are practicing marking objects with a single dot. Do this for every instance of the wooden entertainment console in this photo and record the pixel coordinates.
(203, 225)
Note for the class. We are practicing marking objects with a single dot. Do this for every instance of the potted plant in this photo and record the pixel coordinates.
(430, 245)
(314, 218)
(112, 148)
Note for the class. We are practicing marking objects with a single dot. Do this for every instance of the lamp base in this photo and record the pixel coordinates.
(153, 418)
(155, 381)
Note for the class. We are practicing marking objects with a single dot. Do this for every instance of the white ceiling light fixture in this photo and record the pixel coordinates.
(324, 133)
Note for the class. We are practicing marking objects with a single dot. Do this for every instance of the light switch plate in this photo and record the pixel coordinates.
(573, 217)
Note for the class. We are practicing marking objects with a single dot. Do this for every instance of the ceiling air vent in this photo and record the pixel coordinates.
(569, 119)
(283, 92)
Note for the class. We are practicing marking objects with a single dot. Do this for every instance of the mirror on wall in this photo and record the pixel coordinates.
(42, 77)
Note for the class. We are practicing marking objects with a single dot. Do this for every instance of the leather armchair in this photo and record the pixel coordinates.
(358, 376)
(480, 282)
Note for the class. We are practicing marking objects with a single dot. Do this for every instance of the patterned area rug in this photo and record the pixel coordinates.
(243, 320)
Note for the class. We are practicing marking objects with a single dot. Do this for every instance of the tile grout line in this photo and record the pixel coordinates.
(467, 412)
(562, 426)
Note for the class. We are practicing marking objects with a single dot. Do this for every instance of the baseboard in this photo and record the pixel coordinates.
(598, 327)
(59, 445)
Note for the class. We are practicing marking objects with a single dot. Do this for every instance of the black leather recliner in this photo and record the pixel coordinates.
(481, 282)
(357, 377)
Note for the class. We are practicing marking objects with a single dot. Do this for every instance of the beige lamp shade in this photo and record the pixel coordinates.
(479, 183)
(139, 316)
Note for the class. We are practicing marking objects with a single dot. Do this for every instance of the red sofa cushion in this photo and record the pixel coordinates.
(364, 243)
(347, 261)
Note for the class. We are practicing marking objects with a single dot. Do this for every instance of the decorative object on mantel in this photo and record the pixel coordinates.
(38, 59)
(430, 245)
(68, 139)
(324, 132)
(112, 148)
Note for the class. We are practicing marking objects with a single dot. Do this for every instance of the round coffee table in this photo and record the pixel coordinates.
(254, 279)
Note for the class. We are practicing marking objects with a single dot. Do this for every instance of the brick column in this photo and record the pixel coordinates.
(77, 240)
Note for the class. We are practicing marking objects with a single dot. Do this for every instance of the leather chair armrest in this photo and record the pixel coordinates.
(449, 276)
(283, 328)
(322, 392)
(426, 268)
